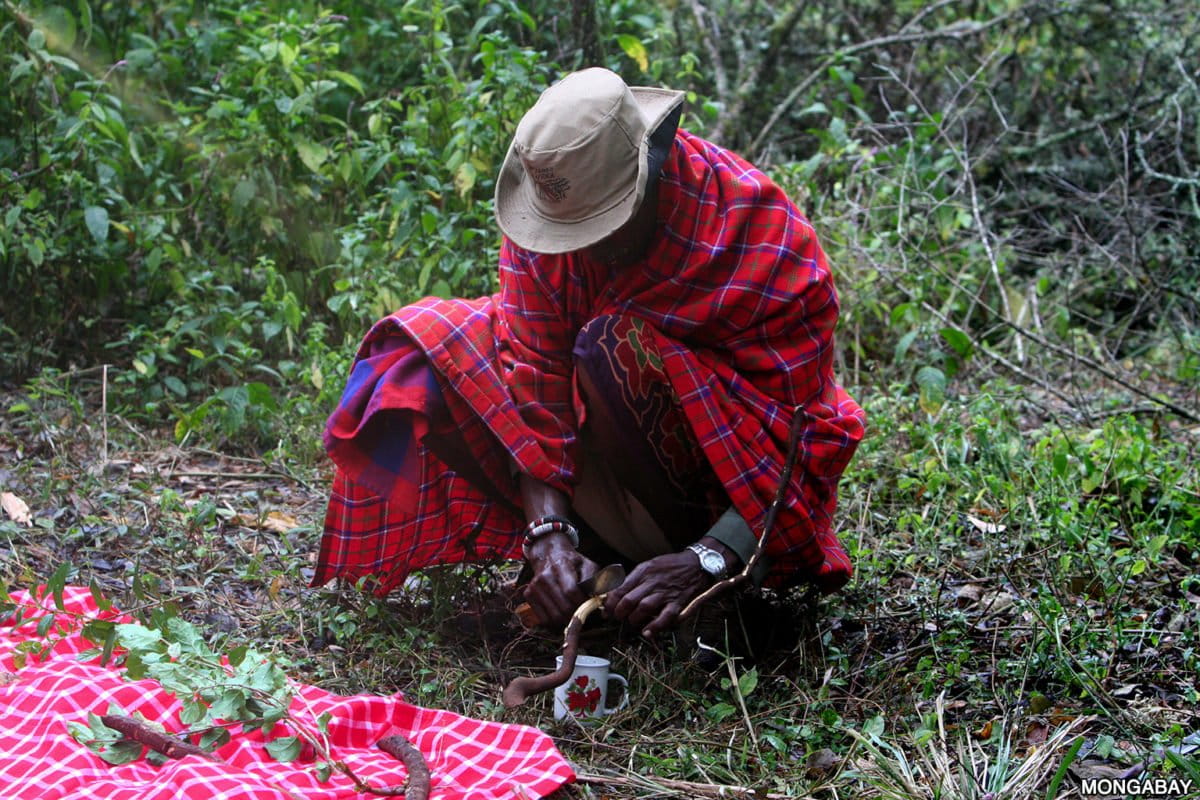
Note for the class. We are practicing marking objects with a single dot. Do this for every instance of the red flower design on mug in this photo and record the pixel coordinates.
(582, 699)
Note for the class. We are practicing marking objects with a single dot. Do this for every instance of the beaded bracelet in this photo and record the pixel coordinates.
(543, 526)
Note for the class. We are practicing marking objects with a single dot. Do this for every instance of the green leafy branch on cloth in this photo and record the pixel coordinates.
(218, 691)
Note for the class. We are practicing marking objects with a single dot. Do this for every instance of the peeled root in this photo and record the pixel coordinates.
(521, 689)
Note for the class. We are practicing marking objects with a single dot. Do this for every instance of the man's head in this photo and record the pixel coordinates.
(583, 160)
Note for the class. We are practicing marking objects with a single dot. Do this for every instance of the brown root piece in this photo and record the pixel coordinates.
(418, 784)
(521, 689)
(170, 746)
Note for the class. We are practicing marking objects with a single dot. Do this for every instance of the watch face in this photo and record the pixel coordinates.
(712, 563)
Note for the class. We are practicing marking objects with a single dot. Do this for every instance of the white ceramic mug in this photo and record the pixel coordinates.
(585, 695)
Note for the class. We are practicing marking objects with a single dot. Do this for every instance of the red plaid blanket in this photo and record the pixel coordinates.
(40, 761)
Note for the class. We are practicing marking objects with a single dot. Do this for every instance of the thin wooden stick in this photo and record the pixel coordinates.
(768, 525)
(104, 412)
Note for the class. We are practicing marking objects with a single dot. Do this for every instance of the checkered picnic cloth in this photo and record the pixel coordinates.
(40, 761)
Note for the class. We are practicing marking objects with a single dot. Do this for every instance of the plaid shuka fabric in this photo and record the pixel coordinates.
(39, 760)
(741, 301)
(395, 507)
(741, 306)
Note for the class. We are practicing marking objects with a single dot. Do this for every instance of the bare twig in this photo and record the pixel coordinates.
(748, 88)
(957, 30)
(104, 411)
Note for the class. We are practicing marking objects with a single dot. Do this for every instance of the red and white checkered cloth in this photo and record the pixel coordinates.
(39, 760)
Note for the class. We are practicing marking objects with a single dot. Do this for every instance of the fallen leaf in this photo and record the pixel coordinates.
(279, 522)
(821, 762)
(1096, 770)
(983, 526)
(15, 508)
(985, 732)
(996, 602)
(1036, 733)
(968, 594)
(274, 521)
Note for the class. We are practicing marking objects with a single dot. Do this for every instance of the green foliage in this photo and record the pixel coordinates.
(221, 196)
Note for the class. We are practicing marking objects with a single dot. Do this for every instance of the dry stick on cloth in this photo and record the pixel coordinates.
(768, 523)
(170, 746)
(418, 769)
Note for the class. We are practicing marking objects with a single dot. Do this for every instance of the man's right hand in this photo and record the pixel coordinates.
(557, 570)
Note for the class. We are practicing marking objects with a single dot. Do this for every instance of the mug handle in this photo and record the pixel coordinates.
(612, 676)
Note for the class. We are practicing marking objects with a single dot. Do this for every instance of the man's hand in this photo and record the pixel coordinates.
(557, 569)
(657, 590)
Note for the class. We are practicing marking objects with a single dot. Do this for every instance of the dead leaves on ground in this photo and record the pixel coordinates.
(16, 508)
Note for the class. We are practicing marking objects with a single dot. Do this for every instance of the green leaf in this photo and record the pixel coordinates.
(122, 752)
(903, 344)
(175, 385)
(288, 53)
(959, 341)
(96, 219)
(57, 583)
(720, 711)
(1061, 773)
(85, 20)
(135, 637)
(243, 193)
(464, 178)
(932, 384)
(748, 682)
(192, 712)
(237, 655)
(873, 728)
(231, 705)
(312, 154)
(323, 769)
(634, 48)
(215, 738)
(346, 78)
(284, 749)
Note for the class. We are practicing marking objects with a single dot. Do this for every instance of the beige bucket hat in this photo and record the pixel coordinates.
(582, 159)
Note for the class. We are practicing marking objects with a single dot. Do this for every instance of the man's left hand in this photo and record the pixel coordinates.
(657, 590)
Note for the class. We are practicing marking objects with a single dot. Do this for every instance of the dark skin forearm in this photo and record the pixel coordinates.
(553, 591)
(651, 597)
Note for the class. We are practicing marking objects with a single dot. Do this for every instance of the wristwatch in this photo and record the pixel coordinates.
(711, 561)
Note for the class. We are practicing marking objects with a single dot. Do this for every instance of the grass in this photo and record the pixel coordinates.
(1024, 609)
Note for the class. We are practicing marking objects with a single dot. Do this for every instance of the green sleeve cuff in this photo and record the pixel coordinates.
(732, 531)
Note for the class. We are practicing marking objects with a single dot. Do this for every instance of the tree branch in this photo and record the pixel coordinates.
(957, 30)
